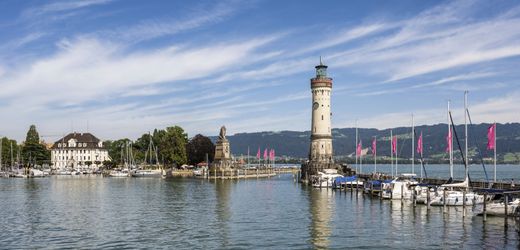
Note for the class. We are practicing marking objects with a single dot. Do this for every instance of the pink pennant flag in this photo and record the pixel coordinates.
(374, 146)
(359, 148)
(258, 153)
(491, 135)
(265, 154)
(448, 141)
(394, 144)
(273, 155)
(419, 145)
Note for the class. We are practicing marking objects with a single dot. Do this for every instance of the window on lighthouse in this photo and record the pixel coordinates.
(322, 117)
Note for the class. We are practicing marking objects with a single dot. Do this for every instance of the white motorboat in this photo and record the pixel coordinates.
(63, 171)
(455, 195)
(401, 187)
(146, 173)
(326, 178)
(119, 173)
(498, 208)
(36, 173)
(198, 172)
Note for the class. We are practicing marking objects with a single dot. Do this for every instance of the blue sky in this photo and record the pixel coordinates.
(126, 67)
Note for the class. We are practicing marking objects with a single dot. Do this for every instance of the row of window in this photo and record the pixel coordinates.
(79, 158)
(79, 145)
(321, 91)
(74, 151)
(315, 126)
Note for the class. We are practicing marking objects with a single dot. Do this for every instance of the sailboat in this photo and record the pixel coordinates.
(125, 159)
(152, 167)
(458, 194)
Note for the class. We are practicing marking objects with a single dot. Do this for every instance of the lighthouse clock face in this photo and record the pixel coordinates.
(315, 105)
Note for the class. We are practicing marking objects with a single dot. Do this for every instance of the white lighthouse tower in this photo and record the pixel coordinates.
(320, 153)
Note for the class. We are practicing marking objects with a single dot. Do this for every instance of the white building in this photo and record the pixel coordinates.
(78, 150)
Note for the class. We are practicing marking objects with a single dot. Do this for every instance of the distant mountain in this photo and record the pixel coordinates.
(296, 144)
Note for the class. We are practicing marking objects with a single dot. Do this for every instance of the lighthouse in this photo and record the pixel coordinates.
(320, 152)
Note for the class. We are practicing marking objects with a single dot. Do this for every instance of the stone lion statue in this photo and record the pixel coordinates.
(222, 135)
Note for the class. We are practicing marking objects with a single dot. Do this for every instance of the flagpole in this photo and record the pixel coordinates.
(413, 146)
(450, 142)
(356, 147)
(391, 153)
(375, 154)
(495, 149)
(361, 160)
(247, 156)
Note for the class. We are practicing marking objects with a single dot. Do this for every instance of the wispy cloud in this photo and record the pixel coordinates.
(435, 41)
(489, 110)
(61, 6)
(158, 27)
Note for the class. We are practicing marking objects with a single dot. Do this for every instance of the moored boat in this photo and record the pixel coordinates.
(325, 178)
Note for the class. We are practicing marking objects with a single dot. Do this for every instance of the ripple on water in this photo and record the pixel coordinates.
(276, 213)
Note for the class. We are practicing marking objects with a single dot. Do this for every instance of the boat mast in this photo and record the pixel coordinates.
(450, 142)
(12, 156)
(466, 131)
(391, 153)
(396, 150)
(413, 147)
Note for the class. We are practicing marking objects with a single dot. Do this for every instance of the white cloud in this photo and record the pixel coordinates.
(158, 27)
(435, 41)
(499, 109)
(62, 6)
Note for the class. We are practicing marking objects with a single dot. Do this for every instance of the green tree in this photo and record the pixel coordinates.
(33, 151)
(198, 147)
(140, 147)
(32, 136)
(171, 144)
(6, 152)
(117, 149)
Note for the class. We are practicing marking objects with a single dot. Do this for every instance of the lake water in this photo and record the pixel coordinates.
(276, 213)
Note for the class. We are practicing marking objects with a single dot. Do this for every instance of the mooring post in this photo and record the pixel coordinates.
(505, 204)
(484, 208)
(464, 203)
(402, 193)
(428, 200)
(357, 187)
(414, 197)
(443, 200)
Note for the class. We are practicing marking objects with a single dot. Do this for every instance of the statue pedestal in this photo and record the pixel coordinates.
(222, 154)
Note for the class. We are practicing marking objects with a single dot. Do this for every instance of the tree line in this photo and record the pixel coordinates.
(172, 144)
(29, 153)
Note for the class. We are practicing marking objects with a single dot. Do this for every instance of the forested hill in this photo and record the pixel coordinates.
(296, 144)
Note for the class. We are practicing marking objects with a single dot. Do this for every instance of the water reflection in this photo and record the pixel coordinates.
(222, 210)
(98, 213)
(321, 208)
